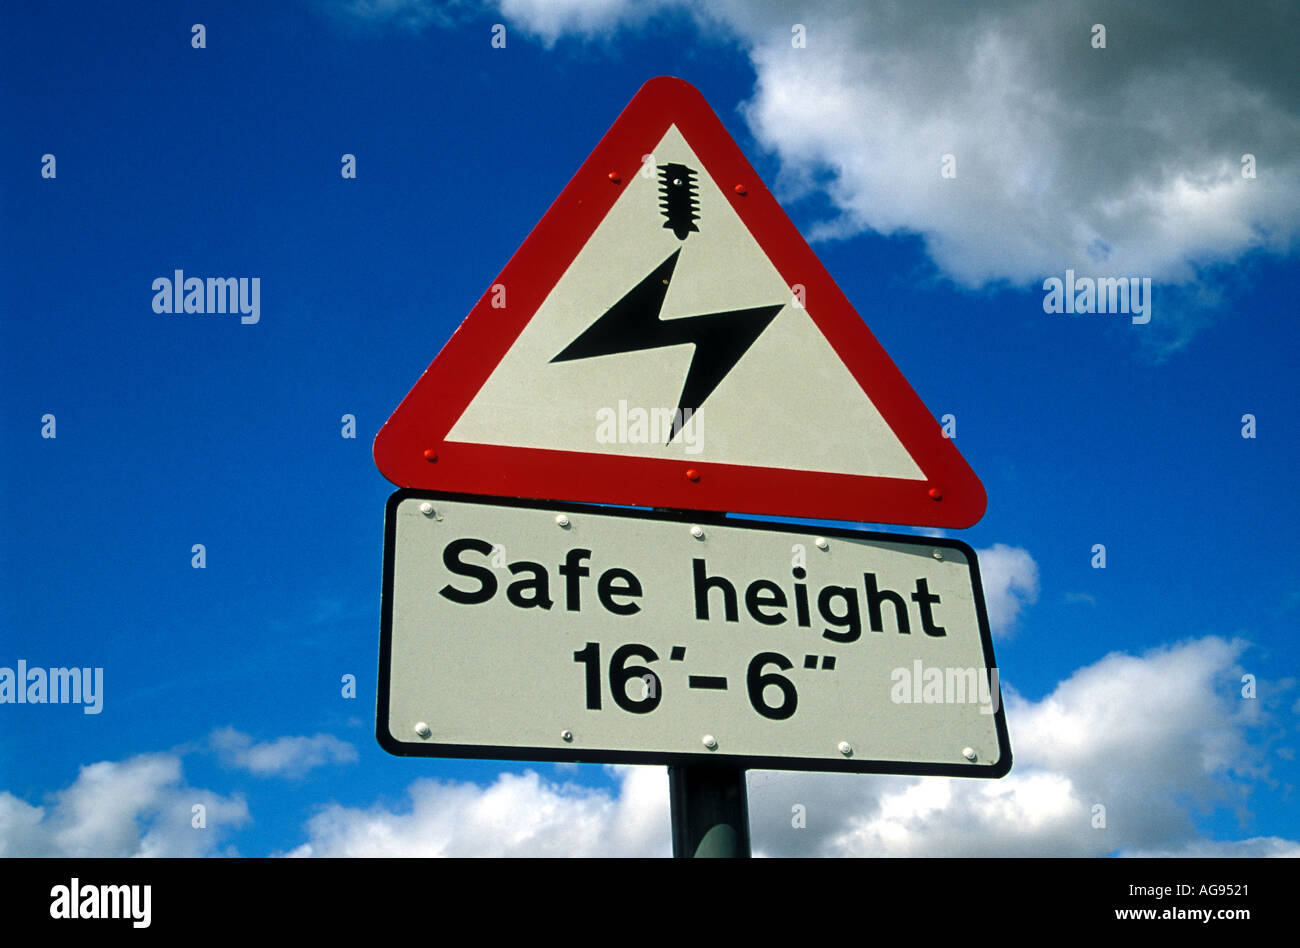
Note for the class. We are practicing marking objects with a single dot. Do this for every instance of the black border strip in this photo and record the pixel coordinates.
(582, 755)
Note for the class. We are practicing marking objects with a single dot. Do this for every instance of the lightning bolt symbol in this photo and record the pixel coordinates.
(633, 325)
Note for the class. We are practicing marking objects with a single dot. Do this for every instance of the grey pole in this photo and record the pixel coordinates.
(710, 812)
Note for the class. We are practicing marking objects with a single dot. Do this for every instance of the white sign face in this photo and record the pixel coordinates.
(521, 631)
(758, 408)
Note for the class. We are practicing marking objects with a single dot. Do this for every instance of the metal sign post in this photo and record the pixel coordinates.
(710, 812)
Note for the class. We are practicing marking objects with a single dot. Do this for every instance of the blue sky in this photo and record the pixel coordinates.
(173, 431)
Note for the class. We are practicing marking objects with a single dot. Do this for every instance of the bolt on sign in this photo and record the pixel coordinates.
(528, 631)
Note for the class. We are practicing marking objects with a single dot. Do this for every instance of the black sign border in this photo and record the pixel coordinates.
(589, 756)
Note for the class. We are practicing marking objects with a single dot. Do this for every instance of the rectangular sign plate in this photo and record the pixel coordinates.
(519, 630)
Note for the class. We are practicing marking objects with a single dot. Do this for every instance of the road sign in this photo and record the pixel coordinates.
(665, 337)
(527, 631)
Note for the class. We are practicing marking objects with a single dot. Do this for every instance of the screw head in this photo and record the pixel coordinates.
(566, 735)
(426, 509)
(431, 455)
(423, 730)
(740, 189)
(692, 474)
(936, 494)
(969, 753)
(710, 742)
(937, 554)
(822, 543)
(697, 532)
(615, 177)
(562, 520)
(846, 748)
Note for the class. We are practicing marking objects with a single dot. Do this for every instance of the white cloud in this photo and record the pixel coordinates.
(1154, 739)
(550, 19)
(1010, 578)
(283, 757)
(411, 15)
(1258, 847)
(1066, 156)
(1157, 739)
(1124, 161)
(518, 815)
(137, 807)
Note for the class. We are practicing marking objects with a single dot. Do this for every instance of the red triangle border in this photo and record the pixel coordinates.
(411, 451)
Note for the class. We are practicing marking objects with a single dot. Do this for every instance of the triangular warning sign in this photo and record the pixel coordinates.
(666, 338)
